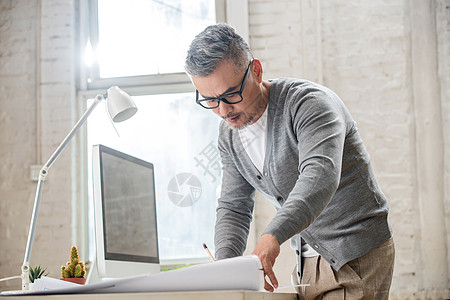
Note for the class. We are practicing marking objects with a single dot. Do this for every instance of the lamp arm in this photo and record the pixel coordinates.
(74, 130)
(42, 175)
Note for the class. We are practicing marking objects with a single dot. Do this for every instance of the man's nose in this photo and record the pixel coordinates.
(224, 108)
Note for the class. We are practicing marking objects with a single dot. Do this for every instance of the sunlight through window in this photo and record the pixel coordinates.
(148, 37)
(139, 37)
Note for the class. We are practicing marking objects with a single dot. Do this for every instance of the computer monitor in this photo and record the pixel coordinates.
(125, 214)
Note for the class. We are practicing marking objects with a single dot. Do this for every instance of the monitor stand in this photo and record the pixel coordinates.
(92, 276)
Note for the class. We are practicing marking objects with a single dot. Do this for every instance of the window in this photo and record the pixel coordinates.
(140, 46)
(142, 37)
(180, 139)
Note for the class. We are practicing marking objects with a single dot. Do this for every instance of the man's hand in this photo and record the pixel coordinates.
(267, 250)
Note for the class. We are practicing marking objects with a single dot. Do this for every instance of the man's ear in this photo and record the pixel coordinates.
(257, 69)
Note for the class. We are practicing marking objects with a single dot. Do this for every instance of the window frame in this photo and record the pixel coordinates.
(89, 84)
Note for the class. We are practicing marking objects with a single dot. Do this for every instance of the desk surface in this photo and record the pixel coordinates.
(204, 295)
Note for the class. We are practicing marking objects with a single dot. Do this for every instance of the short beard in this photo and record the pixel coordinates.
(251, 117)
(249, 121)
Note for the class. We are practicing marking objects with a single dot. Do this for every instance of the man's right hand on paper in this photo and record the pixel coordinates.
(267, 250)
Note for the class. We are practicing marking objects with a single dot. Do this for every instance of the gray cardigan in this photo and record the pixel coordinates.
(316, 171)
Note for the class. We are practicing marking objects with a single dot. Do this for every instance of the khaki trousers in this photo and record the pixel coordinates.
(367, 277)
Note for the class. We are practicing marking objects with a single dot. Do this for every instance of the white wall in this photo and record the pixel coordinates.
(388, 60)
(37, 87)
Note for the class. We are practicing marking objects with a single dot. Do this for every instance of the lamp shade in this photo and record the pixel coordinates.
(120, 105)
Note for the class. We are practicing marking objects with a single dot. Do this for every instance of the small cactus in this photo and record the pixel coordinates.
(75, 268)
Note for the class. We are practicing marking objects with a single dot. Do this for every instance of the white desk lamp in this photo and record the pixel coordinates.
(120, 108)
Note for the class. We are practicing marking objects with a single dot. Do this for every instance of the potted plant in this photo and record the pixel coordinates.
(35, 273)
(75, 270)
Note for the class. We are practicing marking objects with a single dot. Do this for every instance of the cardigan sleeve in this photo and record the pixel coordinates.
(319, 126)
(234, 210)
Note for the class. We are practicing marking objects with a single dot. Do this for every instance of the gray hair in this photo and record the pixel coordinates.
(213, 45)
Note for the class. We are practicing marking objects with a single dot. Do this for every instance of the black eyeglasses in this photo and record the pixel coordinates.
(230, 98)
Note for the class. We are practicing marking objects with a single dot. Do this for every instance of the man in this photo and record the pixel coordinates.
(296, 143)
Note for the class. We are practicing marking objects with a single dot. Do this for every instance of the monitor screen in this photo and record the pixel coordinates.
(125, 214)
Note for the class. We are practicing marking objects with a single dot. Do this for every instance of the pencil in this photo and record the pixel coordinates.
(209, 253)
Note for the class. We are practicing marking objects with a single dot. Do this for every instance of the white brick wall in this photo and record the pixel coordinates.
(361, 49)
(17, 117)
(18, 135)
(443, 26)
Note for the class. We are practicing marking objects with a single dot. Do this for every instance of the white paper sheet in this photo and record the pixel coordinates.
(44, 283)
(239, 273)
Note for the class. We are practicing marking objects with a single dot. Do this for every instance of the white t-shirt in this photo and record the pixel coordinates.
(254, 140)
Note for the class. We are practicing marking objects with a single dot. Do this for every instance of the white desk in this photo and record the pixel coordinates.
(204, 295)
